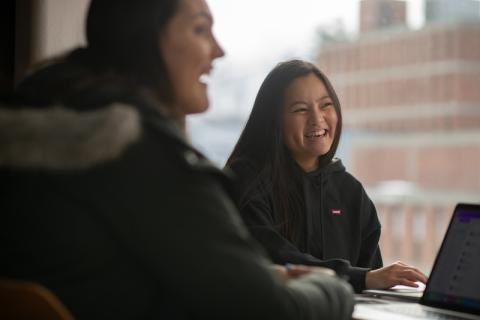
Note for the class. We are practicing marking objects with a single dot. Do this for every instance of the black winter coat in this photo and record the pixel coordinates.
(341, 229)
(105, 203)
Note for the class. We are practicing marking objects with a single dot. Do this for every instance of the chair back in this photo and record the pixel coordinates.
(27, 300)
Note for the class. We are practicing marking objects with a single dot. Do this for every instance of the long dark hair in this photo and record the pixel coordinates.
(261, 144)
(123, 39)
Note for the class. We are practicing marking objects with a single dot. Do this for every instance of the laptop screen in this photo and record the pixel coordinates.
(454, 282)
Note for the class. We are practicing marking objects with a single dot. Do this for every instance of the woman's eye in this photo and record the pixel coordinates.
(326, 105)
(300, 110)
(202, 29)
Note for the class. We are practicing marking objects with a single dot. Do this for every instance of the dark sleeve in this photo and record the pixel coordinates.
(370, 255)
(257, 216)
(185, 231)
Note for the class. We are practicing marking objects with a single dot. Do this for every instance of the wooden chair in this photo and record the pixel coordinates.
(27, 300)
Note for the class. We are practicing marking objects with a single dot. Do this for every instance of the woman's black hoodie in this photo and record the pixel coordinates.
(341, 229)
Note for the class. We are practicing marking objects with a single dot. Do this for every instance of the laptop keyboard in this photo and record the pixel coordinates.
(416, 310)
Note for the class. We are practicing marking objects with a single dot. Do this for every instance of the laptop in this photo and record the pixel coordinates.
(453, 288)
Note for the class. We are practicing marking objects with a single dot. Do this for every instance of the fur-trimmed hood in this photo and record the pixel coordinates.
(65, 139)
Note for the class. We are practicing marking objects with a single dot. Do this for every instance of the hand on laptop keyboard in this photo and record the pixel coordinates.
(397, 273)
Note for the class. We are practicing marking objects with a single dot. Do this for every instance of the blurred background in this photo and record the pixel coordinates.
(407, 74)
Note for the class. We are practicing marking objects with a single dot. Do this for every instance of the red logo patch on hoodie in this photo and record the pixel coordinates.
(336, 212)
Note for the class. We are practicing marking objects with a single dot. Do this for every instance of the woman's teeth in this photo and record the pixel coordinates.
(314, 134)
(204, 78)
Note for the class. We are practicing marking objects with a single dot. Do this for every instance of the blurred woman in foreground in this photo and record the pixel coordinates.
(105, 202)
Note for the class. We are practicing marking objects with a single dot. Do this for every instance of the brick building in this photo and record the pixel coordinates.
(411, 106)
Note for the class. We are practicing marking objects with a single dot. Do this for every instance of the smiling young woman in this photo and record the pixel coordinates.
(295, 197)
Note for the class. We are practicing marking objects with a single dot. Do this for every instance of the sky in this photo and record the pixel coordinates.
(256, 35)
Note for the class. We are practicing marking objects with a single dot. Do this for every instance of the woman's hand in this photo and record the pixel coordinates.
(397, 273)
